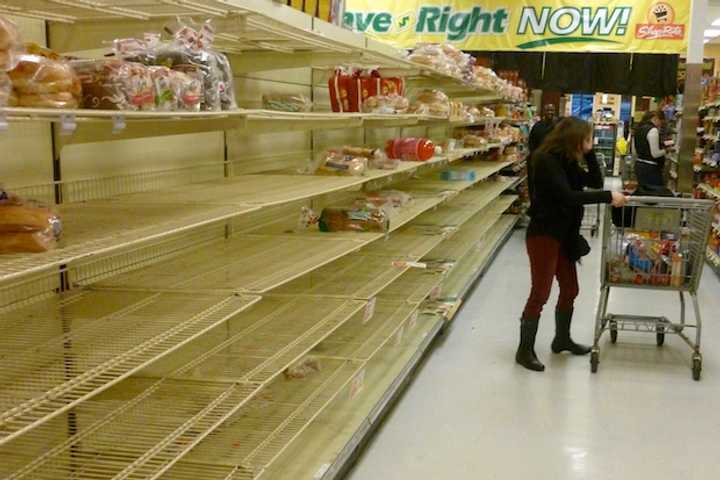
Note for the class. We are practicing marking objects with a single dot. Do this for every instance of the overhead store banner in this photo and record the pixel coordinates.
(648, 26)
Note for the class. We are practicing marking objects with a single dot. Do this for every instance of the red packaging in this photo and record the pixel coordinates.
(410, 149)
(350, 88)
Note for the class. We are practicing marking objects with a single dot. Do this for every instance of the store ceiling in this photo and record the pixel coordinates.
(712, 32)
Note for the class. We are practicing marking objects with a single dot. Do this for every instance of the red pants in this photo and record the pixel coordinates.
(547, 260)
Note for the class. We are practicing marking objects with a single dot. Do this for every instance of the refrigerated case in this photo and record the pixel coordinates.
(605, 137)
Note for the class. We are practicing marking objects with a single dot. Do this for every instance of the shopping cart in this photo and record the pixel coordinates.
(591, 219)
(654, 243)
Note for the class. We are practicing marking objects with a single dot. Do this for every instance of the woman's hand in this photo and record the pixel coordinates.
(618, 199)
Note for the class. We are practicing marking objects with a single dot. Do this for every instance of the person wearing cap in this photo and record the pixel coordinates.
(541, 129)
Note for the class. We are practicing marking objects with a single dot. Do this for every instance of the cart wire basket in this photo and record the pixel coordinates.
(592, 216)
(655, 243)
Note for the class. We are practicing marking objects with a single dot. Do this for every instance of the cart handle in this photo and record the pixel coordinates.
(669, 202)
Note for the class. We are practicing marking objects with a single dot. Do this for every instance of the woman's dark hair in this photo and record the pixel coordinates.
(649, 115)
(567, 138)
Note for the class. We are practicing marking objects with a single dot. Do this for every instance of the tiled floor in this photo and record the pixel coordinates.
(472, 413)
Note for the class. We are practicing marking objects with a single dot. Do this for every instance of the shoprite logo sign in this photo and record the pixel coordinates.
(490, 24)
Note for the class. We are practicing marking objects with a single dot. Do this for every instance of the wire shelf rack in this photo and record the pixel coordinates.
(260, 431)
(404, 244)
(262, 342)
(382, 377)
(414, 286)
(471, 234)
(354, 276)
(460, 278)
(92, 229)
(59, 352)
(460, 209)
(361, 340)
(172, 416)
(250, 263)
(482, 170)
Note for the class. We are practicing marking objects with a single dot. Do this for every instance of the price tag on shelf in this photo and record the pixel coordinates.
(119, 124)
(369, 310)
(68, 124)
(435, 293)
(357, 384)
(3, 122)
(412, 323)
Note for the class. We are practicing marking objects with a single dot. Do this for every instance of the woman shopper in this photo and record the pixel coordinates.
(650, 159)
(556, 183)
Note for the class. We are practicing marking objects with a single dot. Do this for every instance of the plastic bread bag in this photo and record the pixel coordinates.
(115, 85)
(287, 103)
(336, 163)
(366, 218)
(175, 90)
(394, 198)
(376, 157)
(303, 368)
(191, 53)
(386, 104)
(431, 102)
(41, 78)
(27, 242)
(26, 226)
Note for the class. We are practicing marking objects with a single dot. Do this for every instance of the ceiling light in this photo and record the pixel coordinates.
(712, 33)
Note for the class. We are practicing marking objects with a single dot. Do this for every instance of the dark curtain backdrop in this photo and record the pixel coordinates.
(641, 74)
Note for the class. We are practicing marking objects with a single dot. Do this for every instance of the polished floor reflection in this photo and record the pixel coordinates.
(471, 413)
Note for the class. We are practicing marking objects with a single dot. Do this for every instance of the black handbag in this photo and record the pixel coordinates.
(580, 249)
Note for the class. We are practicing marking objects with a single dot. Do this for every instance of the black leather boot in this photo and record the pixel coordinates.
(562, 341)
(525, 355)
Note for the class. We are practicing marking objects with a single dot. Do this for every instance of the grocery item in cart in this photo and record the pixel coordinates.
(356, 218)
(287, 102)
(42, 79)
(25, 226)
(410, 149)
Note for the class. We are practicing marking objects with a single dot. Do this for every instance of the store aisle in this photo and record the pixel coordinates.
(471, 413)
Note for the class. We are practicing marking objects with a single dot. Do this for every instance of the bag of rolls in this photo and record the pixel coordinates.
(42, 79)
(26, 227)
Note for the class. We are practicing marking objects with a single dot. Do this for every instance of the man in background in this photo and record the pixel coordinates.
(541, 129)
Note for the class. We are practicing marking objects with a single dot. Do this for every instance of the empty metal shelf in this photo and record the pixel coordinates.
(58, 352)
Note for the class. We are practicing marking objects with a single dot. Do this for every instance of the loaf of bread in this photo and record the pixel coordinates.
(26, 242)
(25, 218)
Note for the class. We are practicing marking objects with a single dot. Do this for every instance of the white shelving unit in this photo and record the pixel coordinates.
(157, 340)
